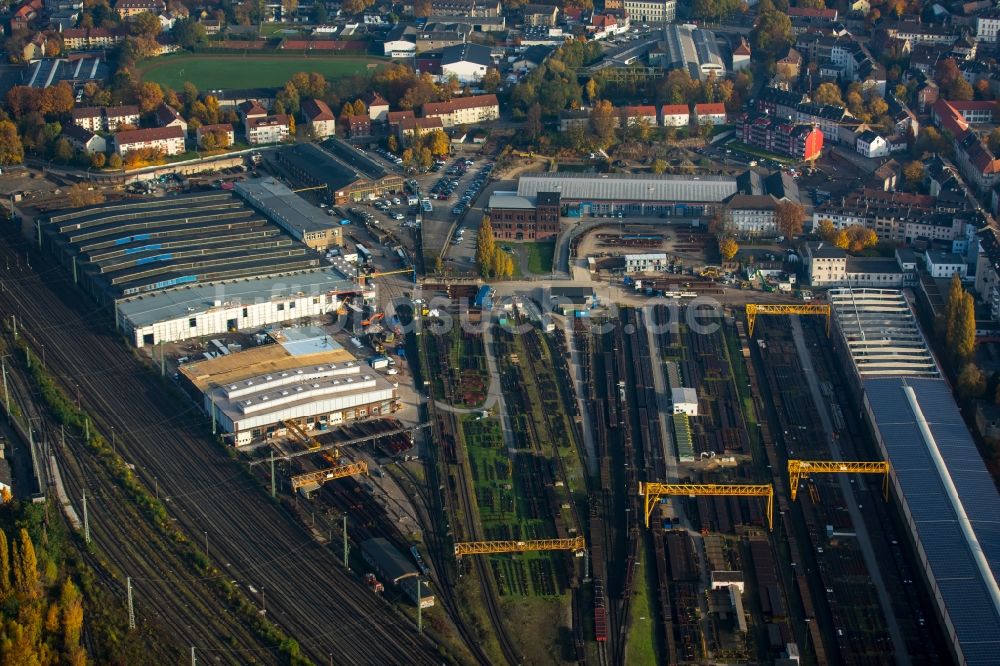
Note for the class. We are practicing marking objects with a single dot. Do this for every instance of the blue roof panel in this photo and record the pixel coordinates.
(966, 595)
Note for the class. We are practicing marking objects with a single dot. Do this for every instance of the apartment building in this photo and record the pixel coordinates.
(105, 118)
(651, 11)
(169, 140)
(464, 110)
(319, 118)
(269, 129)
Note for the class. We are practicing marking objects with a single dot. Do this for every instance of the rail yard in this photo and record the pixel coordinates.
(429, 472)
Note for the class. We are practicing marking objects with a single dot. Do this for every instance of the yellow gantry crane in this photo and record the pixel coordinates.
(400, 271)
(800, 469)
(654, 491)
(492, 547)
(323, 475)
(755, 309)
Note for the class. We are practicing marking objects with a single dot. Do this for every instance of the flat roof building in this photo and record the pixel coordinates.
(246, 303)
(946, 494)
(880, 333)
(302, 220)
(305, 377)
(631, 194)
(347, 174)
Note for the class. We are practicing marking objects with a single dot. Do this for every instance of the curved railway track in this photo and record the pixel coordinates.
(251, 539)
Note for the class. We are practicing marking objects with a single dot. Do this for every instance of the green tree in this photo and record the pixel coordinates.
(485, 248)
(5, 588)
(971, 381)
(63, 150)
(913, 174)
(828, 93)
(319, 13)
(11, 149)
(189, 33)
(25, 568)
(533, 122)
(773, 32)
(603, 122)
(789, 216)
(952, 305)
(491, 80)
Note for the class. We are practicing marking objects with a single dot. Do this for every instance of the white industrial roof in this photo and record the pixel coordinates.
(511, 200)
(173, 304)
(881, 333)
(629, 187)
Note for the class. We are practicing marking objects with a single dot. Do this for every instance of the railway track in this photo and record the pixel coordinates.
(448, 427)
(251, 538)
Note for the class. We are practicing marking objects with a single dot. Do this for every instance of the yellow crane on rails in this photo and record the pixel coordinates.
(652, 492)
(400, 271)
(310, 189)
(800, 469)
(755, 309)
(321, 476)
(493, 547)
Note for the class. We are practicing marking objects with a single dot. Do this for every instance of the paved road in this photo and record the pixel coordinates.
(860, 528)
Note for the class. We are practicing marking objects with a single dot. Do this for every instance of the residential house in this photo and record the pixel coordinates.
(466, 62)
(748, 215)
(25, 14)
(650, 11)
(801, 141)
(530, 58)
(167, 116)
(710, 113)
(540, 15)
(871, 144)
(221, 129)
(944, 264)
(269, 129)
(80, 39)
(409, 127)
(634, 115)
(84, 140)
(105, 118)
(976, 162)
(464, 110)
(378, 108)
(790, 65)
(168, 140)
(988, 26)
(357, 125)
(319, 118)
(603, 26)
(741, 55)
(129, 8)
(675, 115)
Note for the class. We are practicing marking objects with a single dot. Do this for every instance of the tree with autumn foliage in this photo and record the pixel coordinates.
(728, 248)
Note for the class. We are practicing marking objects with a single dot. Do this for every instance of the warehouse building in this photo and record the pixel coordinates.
(692, 49)
(343, 172)
(632, 195)
(304, 376)
(305, 222)
(247, 303)
(945, 492)
(127, 249)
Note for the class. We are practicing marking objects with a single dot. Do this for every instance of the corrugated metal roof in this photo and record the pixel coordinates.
(967, 591)
(628, 187)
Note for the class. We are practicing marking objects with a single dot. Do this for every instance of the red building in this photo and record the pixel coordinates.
(801, 141)
(519, 218)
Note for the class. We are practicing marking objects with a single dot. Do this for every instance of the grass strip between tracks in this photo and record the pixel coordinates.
(70, 416)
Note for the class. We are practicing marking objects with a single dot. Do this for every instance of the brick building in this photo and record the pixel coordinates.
(519, 218)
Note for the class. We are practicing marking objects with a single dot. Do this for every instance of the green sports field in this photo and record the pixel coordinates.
(217, 72)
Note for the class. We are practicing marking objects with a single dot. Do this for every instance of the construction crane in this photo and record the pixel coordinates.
(654, 491)
(310, 189)
(755, 309)
(334, 447)
(492, 547)
(337, 471)
(800, 469)
(400, 271)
